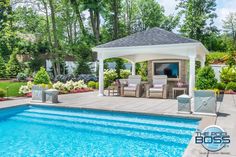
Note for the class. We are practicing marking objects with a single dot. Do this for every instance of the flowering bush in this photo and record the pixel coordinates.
(59, 86)
(25, 89)
(80, 84)
(69, 86)
(62, 87)
(109, 76)
(124, 73)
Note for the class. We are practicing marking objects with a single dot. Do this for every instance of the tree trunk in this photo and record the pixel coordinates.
(56, 42)
(98, 25)
(115, 18)
(48, 25)
(77, 11)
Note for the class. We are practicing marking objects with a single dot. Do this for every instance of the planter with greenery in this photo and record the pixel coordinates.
(206, 94)
(41, 83)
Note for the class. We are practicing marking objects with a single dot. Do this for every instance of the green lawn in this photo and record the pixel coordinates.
(13, 87)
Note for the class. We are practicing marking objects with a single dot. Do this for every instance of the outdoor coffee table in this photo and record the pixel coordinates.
(174, 89)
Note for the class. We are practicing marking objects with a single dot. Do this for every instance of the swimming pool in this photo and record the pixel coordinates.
(52, 131)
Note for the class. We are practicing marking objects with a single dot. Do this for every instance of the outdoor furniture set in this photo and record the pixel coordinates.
(133, 86)
(204, 100)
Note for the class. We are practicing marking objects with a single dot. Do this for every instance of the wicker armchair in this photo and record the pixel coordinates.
(158, 87)
(132, 87)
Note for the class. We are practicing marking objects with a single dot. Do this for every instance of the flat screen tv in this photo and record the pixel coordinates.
(171, 69)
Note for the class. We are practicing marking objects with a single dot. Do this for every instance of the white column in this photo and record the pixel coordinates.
(133, 68)
(203, 62)
(192, 60)
(101, 76)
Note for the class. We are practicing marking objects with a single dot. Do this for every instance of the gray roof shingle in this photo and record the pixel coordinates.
(153, 36)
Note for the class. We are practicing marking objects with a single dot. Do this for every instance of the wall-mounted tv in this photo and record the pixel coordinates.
(171, 69)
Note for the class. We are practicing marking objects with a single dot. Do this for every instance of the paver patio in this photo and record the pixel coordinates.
(225, 119)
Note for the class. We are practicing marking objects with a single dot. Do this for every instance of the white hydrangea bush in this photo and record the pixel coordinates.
(69, 85)
(60, 86)
(25, 89)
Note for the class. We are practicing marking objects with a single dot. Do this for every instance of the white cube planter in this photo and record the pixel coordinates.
(205, 102)
(52, 95)
(38, 93)
(184, 103)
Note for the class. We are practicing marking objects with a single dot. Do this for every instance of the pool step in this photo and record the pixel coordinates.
(160, 137)
(158, 121)
(113, 124)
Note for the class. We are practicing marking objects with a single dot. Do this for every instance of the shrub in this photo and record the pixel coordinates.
(228, 74)
(69, 85)
(125, 73)
(217, 57)
(109, 77)
(220, 86)
(42, 77)
(92, 84)
(2, 68)
(87, 78)
(231, 86)
(97, 85)
(24, 90)
(206, 78)
(21, 76)
(13, 66)
(2, 93)
(64, 78)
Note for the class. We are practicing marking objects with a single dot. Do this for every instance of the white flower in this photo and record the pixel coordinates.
(24, 90)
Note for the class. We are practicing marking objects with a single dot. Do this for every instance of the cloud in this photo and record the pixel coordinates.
(169, 6)
(224, 7)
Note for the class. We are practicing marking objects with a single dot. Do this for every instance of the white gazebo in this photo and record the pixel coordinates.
(152, 44)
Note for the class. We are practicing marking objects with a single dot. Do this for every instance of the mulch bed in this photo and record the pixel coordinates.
(4, 99)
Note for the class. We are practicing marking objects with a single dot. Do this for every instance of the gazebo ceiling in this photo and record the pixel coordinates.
(153, 36)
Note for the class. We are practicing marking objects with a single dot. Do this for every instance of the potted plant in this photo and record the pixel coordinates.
(205, 95)
(41, 83)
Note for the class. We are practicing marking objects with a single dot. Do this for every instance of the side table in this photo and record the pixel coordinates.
(174, 89)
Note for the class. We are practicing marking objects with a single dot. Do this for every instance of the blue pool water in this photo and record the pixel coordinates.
(50, 131)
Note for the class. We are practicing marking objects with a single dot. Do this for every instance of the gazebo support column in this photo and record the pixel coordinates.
(192, 60)
(101, 78)
(133, 68)
(203, 62)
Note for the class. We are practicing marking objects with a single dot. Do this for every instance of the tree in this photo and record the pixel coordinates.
(2, 68)
(230, 27)
(151, 13)
(13, 66)
(8, 37)
(197, 14)
(94, 7)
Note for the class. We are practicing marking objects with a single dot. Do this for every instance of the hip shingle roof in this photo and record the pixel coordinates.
(153, 36)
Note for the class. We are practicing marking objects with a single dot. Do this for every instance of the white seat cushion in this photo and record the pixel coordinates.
(132, 85)
(158, 85)
(130, 88)
(156, 89)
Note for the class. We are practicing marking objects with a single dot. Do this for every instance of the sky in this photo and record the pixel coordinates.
(223, 8)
